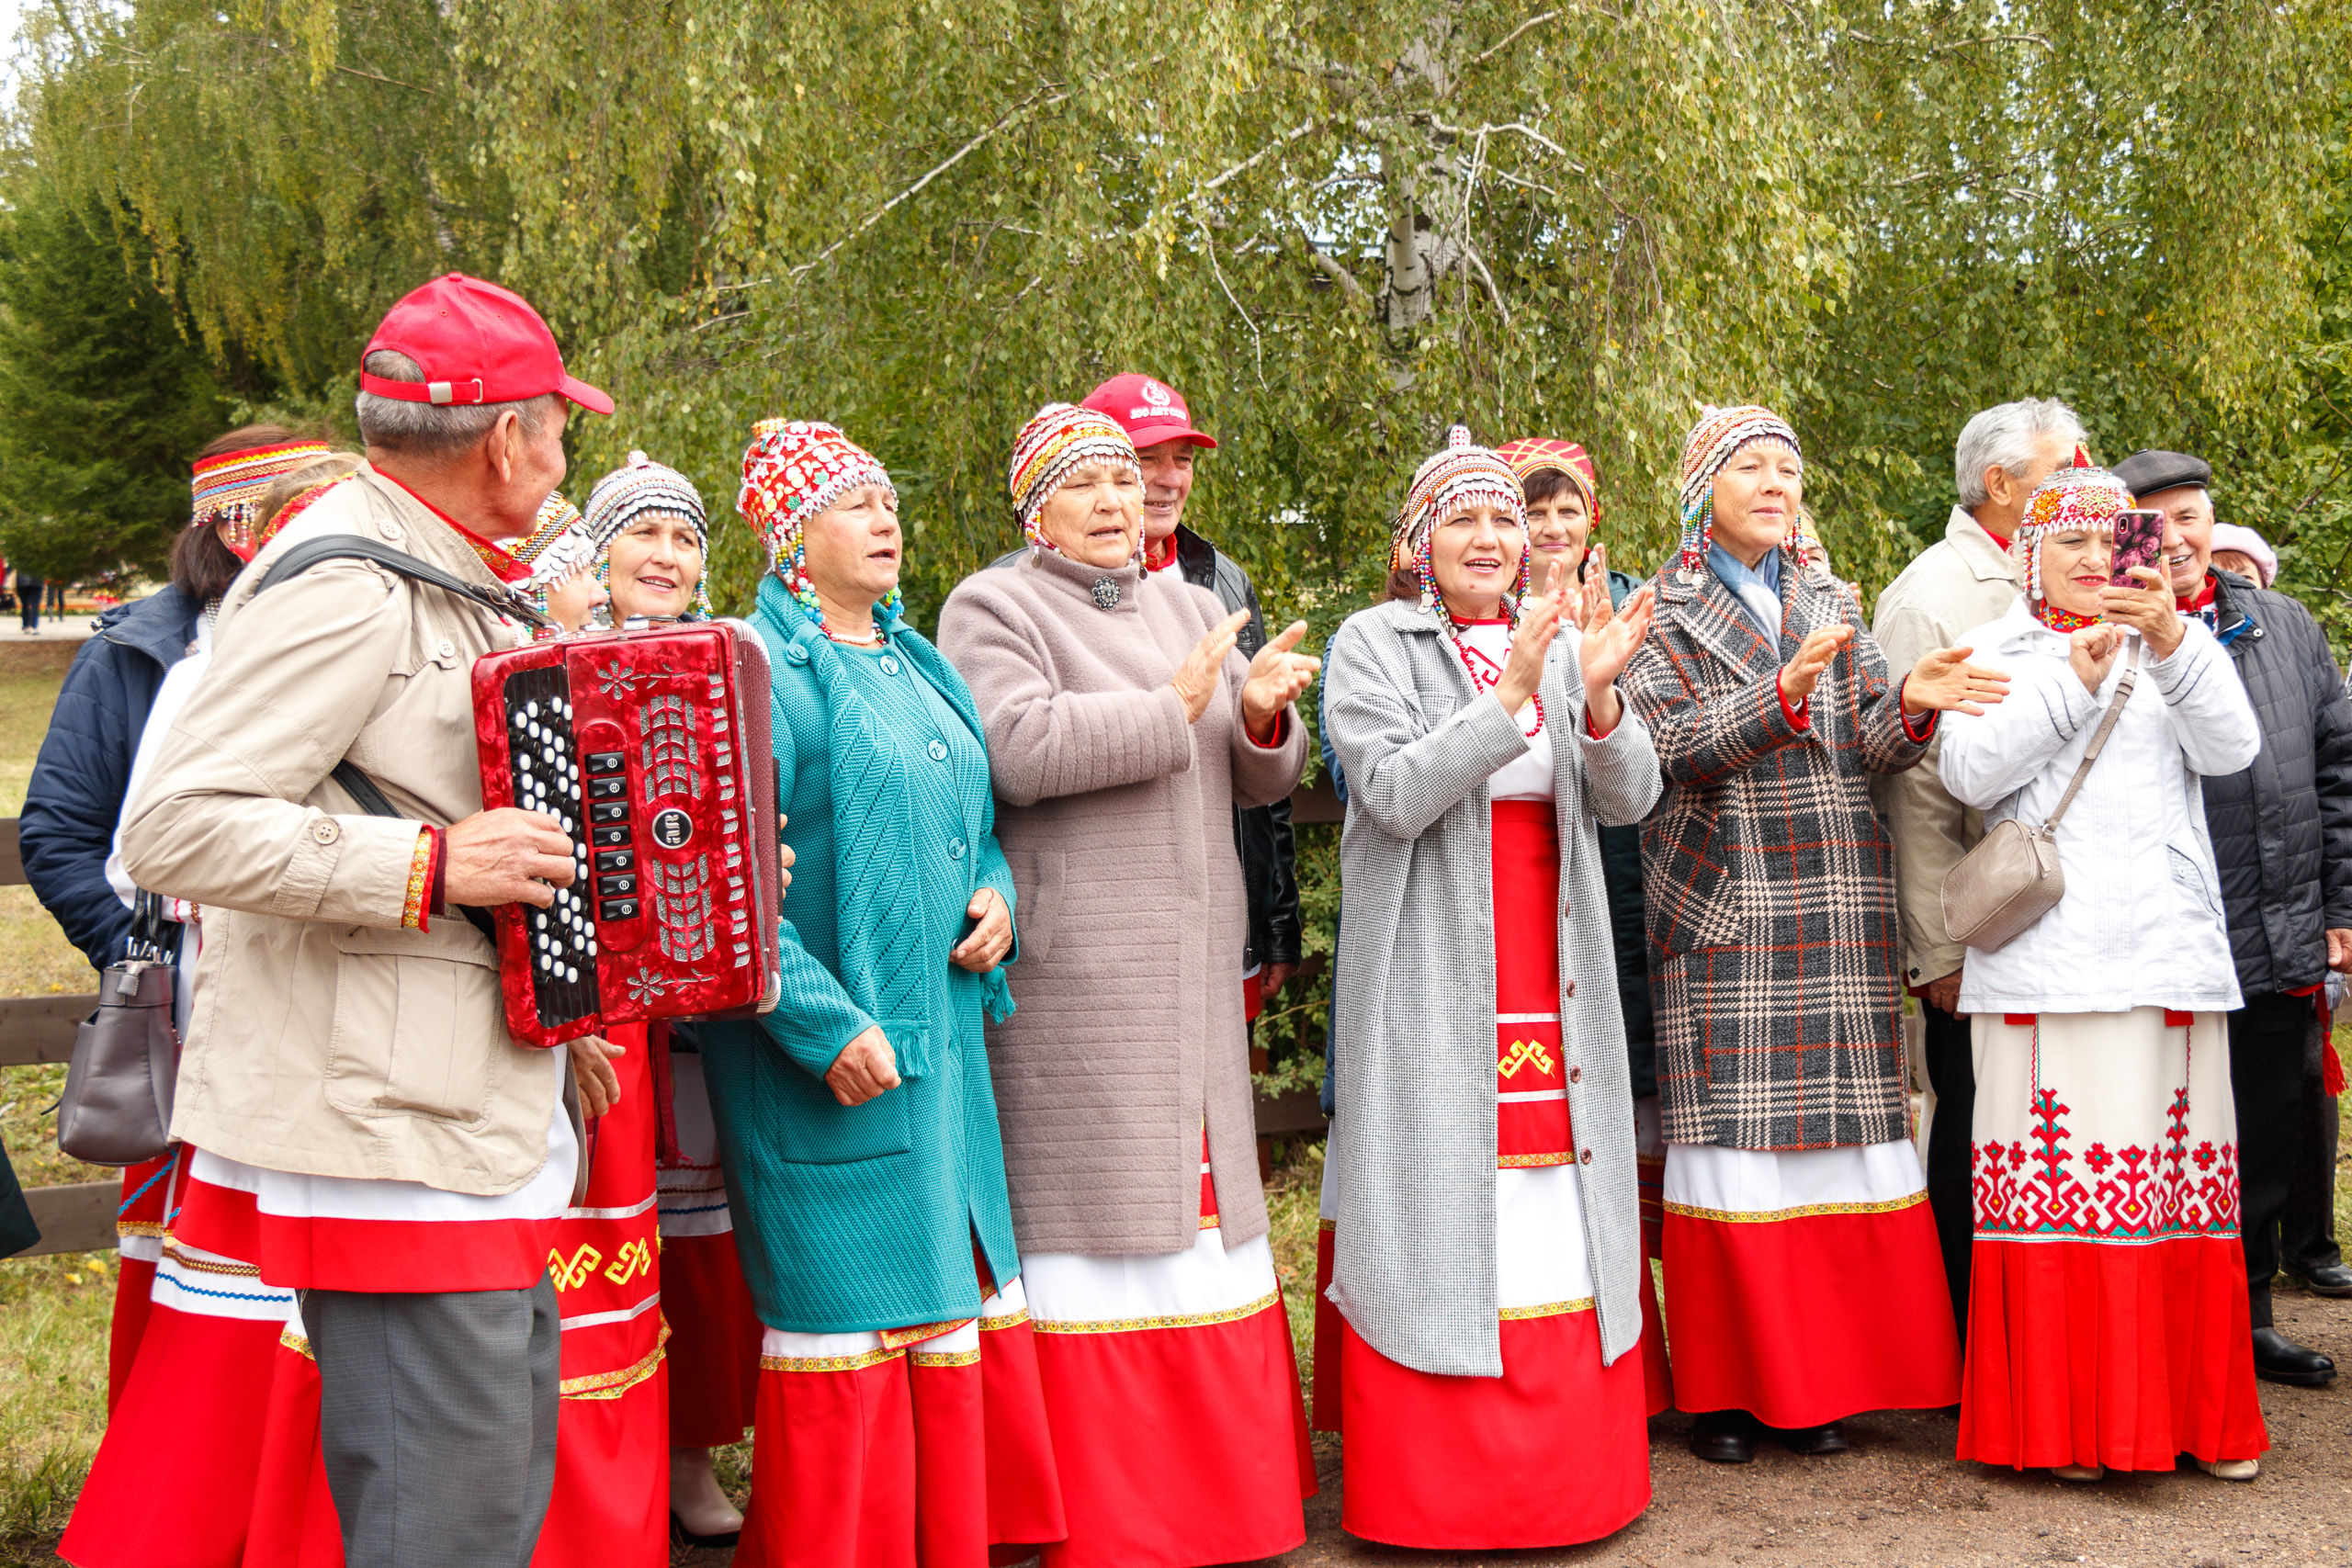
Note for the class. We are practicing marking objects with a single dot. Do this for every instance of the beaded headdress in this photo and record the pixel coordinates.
(1060, 438)
(1463, 472)
(641, 485)
(1718, 435)
(227, 489)
(559, 546)
(2084, 498)
(793, 469)
(1531, 454)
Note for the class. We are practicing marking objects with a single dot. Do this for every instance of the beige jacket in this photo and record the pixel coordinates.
(326, 1040)
(1966, 581)
(1116, 816)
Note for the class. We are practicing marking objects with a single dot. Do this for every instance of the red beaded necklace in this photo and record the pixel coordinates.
(2064, 621)
(1482, 684)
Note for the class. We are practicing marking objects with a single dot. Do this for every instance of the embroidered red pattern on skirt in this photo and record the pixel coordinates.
(1530, 1073)
(611, 1502)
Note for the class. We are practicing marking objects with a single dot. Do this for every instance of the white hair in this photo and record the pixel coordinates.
(2004, 436)
(433, 430)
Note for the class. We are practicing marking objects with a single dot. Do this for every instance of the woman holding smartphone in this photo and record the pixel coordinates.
(2108, 1317)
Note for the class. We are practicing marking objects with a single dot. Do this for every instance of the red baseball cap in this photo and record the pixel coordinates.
(1149, 412)
(476, 343)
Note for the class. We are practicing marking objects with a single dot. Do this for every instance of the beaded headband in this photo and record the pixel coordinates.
(1463, 472)
(228, 487)
(793, 469)
(1720, 433)
(1531, 454)
(638, 486)
(1059, 439)
(2087, 498)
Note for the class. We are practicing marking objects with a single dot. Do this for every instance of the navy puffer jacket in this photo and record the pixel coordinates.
(2283, 830)
(75, 795)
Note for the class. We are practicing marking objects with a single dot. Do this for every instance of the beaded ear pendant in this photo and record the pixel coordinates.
(1106, 593)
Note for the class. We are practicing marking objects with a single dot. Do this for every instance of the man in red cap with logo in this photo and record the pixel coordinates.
(1155, 418)
(364, 1131)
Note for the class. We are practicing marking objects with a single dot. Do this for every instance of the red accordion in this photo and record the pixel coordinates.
(651, 747)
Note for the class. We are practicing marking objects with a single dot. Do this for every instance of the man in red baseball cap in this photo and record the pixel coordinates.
(371, 1135)
(1155, 419)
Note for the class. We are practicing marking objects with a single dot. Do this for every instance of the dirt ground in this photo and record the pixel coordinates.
(1898, 1500)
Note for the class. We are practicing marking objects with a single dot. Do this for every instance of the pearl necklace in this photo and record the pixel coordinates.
(873, 638)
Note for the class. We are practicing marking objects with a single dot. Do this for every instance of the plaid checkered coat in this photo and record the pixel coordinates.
(1769, 879)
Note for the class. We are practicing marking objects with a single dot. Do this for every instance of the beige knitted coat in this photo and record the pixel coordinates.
(1116, 816)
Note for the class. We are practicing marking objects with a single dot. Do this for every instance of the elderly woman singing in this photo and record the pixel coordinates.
(2107, 1320)
(856, 1120)
(1487, 1258)
(1123, 728)
(1803, 1279)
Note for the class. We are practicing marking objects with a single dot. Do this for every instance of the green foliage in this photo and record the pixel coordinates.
(1336, 226)
(103, 397)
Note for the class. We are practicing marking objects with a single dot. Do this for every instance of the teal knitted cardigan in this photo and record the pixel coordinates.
(864, 1218)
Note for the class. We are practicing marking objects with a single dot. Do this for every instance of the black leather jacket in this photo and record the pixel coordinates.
(1261, 834)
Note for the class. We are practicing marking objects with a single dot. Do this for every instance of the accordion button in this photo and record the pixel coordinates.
(617, 910)
(603, 761)
(938, 751)
(955, 849)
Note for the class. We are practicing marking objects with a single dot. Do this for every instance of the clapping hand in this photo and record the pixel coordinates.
(1945, 679)
(1276, 677)
(1814, 654)
(1195, 680)
(1531, 644)
(1610, 638)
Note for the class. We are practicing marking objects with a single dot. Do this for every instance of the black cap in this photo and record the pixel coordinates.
(2145, 473)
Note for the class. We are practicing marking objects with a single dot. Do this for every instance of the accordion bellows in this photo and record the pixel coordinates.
(651, 750)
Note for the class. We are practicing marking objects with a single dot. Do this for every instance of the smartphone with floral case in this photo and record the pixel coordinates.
(2139, 541)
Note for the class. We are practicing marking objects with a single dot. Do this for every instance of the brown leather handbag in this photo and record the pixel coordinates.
(2012, 878)
(116, 1109)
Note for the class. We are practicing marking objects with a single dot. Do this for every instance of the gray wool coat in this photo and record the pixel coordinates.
(1412, 1147)
(1116, 816)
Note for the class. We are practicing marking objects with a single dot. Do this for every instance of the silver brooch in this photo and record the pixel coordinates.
(1106, 593)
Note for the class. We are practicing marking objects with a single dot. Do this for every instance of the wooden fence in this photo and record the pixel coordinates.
(79, 1217)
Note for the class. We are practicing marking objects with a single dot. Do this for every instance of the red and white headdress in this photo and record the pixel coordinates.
(1059, 439)
(1531, 454)
(2086, 499)
(229, 487)
(1720, 433)
(1463, 472)
(793, 469)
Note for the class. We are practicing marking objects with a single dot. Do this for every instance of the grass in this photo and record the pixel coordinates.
(53, 1311)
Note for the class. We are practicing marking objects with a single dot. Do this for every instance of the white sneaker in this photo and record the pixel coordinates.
(2232, 1469)
(2079, 1472)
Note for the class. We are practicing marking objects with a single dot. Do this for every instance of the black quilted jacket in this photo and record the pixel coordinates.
(2283, 830)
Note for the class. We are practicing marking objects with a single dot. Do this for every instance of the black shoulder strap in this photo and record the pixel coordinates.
(363, 789)
(301, 558)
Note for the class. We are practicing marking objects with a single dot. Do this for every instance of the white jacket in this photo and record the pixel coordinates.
(2140, 924)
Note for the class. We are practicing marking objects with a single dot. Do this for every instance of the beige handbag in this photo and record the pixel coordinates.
(2011, 878)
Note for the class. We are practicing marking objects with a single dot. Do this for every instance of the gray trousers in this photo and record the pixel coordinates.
(437, 1416)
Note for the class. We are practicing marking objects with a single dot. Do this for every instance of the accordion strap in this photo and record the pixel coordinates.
(363, 789)
(301, 558)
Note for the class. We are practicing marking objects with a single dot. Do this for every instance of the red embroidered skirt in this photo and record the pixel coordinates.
(714, 1351)
(2107, 1321)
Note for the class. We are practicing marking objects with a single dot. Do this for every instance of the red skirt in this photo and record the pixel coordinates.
(611, 1502)
(1805, 1312)
(714, 1328)
(1553, 1452)
(870, 1453)
(147, 1191)
(180, 1479)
